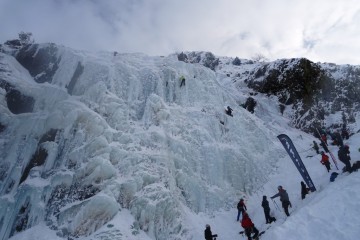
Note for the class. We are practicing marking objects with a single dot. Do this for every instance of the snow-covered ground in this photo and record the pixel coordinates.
(137, 130)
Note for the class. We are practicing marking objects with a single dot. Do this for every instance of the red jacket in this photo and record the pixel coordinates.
(246, 222)
(324, 158)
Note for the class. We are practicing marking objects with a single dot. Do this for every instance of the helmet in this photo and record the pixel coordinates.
(322, 152)
(207, 225)
(346, 146)
(279, 187)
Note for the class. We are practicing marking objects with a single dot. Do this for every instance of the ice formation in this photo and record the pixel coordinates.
(105, 134)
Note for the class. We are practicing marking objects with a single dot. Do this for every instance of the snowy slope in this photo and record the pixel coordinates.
(131, 155)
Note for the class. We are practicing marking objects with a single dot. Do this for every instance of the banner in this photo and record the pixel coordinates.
(295, 157)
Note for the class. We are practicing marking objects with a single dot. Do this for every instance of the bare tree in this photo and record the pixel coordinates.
(25, 38)
(259, 58)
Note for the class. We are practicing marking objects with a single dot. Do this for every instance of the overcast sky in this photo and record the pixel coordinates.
(321, 30)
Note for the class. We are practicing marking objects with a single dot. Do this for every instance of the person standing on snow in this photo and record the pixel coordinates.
(344, 157)
(316, 147)
(284, 198)
(325, 161)
(304, 190)
(241, 207)
(324, 138)
(208, 234)
(324, 146)
(339, 139)
(249, 227)
(344, 133)
(265, 205)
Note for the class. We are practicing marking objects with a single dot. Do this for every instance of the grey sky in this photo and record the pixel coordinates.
(321, 30)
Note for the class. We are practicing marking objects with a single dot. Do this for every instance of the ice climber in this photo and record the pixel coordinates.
(228, 111)
(182, 81)
(265, 205)
(284, 198)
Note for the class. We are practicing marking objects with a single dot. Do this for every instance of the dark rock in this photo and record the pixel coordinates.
(13, 43)
(250, 104)
(19, 103)
(236, 62)
(41, 62)
(2, 127)
(38, 159)
(22, 218)
(210, 61)
(78, 71)
(5, 85)
(49, 136)
(182, 57)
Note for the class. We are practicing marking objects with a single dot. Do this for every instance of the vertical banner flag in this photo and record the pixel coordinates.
(295, 157)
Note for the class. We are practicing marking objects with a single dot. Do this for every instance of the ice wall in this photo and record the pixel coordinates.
(110, 132)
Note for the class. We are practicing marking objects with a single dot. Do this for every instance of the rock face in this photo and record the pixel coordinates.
(41, 62)
(312, 90)
(207, 59)
(16, 101)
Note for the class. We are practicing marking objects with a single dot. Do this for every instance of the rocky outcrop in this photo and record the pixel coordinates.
(16, 101)
(310, 89)
(41, 61)
(207, 59)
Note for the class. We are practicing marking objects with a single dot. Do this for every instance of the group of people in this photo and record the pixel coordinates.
(250, 229)
(246, 222)
(337, 139)
(249, 226)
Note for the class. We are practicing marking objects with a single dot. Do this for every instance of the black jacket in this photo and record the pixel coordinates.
(265, 204)
(241, 206)
(208, 234)
(343, 154)
(304, 190)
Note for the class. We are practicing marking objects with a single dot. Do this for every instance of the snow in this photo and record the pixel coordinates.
(161, 161)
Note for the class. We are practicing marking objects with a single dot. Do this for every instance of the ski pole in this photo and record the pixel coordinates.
(276, 205)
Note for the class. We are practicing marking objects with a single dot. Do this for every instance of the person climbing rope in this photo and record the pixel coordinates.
(182, 80)
(228, 111)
